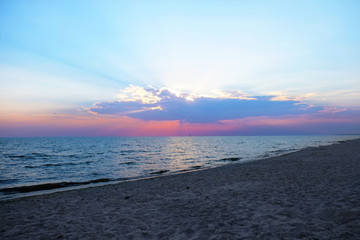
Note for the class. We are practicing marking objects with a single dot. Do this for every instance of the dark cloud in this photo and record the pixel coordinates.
(202, 109)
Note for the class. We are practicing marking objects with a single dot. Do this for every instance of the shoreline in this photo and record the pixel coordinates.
(310, 193)
(16, 192)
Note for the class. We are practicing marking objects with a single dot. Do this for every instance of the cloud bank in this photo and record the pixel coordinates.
(165, 105)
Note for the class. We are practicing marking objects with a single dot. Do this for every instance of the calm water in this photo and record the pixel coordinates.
(33, 164)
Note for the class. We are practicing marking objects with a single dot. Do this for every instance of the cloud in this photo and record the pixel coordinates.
(166, 105)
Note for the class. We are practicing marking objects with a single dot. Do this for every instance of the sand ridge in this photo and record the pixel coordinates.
(310, 194)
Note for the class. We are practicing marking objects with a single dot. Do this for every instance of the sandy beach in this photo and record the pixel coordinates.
(310, 194)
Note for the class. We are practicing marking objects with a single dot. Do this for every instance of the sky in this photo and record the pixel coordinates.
(179, 68)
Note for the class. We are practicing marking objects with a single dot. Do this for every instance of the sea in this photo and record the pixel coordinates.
(32, 166)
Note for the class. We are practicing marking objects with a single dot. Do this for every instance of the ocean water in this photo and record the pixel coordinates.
(29, 165)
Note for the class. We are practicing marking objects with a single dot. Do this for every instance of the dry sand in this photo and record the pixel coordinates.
(310, 194)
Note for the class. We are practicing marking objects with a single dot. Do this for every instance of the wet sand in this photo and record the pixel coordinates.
(310, 194)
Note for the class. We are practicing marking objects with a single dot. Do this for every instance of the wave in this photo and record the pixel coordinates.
(48, 156)
(123, 152)
(231, 159)
(30, 156)
(128, 163)
(279, 151)
(196, 167)
(7, 181)
(49, 186)
(16, 156)
(58, 164)
(160, 172)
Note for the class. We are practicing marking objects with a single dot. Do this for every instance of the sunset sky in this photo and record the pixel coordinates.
(173, 68)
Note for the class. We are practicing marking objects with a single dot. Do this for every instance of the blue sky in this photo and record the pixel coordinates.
(70, 56)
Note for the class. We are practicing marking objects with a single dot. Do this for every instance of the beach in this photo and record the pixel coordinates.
(310, 194)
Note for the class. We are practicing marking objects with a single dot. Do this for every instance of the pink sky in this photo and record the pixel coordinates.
(126, 126)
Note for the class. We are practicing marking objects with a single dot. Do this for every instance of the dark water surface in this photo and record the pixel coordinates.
(35, 164)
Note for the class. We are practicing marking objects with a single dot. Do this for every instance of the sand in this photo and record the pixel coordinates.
(310, 194)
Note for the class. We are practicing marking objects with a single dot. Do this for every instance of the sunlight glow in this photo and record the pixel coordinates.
(179, 67)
